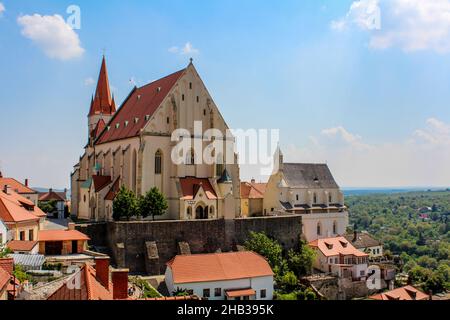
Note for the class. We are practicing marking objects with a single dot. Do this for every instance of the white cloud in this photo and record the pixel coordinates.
(53, 35)
(411, 25)
(89, 81)
(364, 13)
(420, 160)
(187, 49)
(2, 9)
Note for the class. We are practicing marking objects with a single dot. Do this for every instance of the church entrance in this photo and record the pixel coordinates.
(201, 213)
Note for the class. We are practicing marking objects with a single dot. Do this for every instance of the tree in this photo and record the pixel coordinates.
(47, 206)
(125, 204)
(288, 282)
(268, 248)
(180, 292)
(4, 251)
(20, 274)
(301, 262)
(153, 203)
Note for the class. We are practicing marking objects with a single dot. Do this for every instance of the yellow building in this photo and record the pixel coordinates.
(252, 198)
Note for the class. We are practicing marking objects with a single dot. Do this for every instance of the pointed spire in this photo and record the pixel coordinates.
(102, 102)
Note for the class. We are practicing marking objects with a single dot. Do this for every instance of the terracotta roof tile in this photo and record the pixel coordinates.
(90, 288)
(190, 187)
(61, 235)
(336, 246)
(102, 102)
(100, 182)
(4, 279)
(17, 245)
(15, 185)
(218, 266)
(253, 190)
(51, 195)
(111, 195)
(140, 103)
(403, 293)
(15, 208)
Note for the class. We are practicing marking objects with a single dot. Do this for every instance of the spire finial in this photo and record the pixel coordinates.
(191, 60)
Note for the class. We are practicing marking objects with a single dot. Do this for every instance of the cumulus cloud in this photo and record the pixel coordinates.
(365, 14)
(2, 9)
(420, 160)
(187, 49)
(53, 35)
(89, 81)
(411, 25)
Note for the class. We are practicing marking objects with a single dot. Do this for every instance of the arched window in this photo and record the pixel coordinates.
(189, 212)
(190, 157)
(315, 198)
(134, 171)
(334, 227)
(158, 162)
(319, 229)
(219, 165)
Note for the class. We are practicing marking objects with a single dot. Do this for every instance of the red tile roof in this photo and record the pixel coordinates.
(90, 288)
(253, 190)
(7, 264)
(102, 102)
(15, 185)
(403, 293)
(15, 208)
(218, 267)
(17, 245)
(61, 235)
(51, 195)
(171, 298)
(100, 182)
(140, 103)
(5, 278)
(336, 246)
(240, 293)
(190, 187)
(98, 129)
(111, 195)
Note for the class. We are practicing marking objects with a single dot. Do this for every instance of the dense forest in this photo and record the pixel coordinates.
(414, 226)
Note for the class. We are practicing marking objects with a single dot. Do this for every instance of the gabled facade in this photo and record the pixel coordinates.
(21, 188)
(22, 218)
(134, 149)
(307, 189)
(338, 256)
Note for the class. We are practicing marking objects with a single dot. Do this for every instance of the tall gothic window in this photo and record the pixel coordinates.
(190, 157)
(219, 165)
(319, 229)
(334, 227)
(330, 198)
(158, 162)
(315, 198)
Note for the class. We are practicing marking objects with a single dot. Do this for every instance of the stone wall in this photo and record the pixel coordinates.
(146, 246)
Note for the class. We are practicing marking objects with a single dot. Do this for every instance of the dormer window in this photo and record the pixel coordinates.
(117, 125)
(108, 127)
(126, 123)
(147, 117)
(343, 244)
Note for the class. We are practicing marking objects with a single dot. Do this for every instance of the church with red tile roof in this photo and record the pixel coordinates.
(132, 146)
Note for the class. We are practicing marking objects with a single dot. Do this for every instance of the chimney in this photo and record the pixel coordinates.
(71, 226)
(7, 264)
(120, 284)
(26, 182)
(102, 271)
(7, 189)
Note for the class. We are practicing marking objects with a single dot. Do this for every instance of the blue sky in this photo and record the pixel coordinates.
(372, 104)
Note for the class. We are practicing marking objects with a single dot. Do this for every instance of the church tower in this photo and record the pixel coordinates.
(103, 106)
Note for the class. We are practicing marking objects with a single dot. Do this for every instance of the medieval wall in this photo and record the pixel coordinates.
(146, 246)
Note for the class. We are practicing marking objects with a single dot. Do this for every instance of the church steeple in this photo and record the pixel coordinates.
(103, 102)
(103, 105)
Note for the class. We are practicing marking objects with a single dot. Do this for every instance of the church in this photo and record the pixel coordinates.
(132, 146)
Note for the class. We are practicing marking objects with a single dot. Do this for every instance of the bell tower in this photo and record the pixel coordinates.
(103, 106)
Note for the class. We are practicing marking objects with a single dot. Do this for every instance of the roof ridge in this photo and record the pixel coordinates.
(162, 78)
